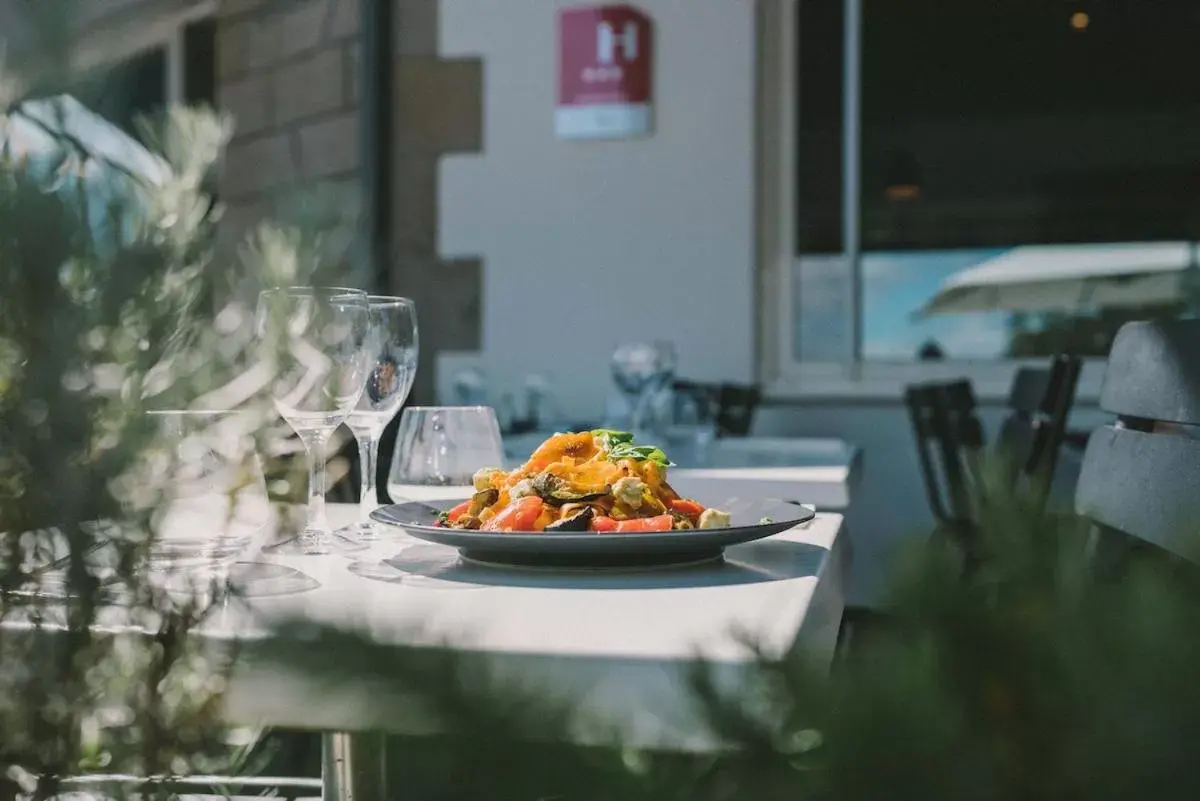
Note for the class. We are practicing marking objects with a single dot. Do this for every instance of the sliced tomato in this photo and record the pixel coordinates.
(602, 524)
(645, 524)
(687, 507)
(520, 515)
(458, 511)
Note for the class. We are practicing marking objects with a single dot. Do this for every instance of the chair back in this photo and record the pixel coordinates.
(940, 414)
(1031, 436)
(736, 405)
(1141, 474)
(702, 397)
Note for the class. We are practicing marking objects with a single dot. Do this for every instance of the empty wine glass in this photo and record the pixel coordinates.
(633, 367)
(439, 449)
(204, 483)
(637, 367)
(316, 340)
(655, 408)
(666, 363)
(217, 501)
(392, 368)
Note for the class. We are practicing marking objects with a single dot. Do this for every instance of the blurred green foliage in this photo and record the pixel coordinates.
(1043, 673)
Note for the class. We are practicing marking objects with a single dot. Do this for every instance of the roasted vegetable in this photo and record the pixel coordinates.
(555, 491)
(452, 516)
(646, 524)
(591, 481)
(576, 522)
(682, 522)
(520, 515)
(687, 507)
(602, 524)
(482, 500)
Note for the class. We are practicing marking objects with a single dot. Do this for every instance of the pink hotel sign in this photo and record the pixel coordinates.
(605, 58)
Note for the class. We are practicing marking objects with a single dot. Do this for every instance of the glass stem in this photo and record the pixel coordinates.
(368, 456)
(316, 530)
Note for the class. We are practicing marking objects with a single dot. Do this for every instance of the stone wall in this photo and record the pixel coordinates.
(437, 105)
(288, 73)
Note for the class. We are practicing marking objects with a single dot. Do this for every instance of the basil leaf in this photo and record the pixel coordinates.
(619, 445)
(610, 436)
(639, 453)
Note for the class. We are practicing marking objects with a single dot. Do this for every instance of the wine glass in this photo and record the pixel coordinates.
(439, 449)
(217, 500)
(392, 369)
(654, 410)
(317, 346)
(634, 366)
(207, 498)
(666, 364)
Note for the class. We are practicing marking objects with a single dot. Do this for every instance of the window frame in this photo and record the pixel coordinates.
(131, 37)
(783, 376)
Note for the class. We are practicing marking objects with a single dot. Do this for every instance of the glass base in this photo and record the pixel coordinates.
(365, 531)
(316, 542)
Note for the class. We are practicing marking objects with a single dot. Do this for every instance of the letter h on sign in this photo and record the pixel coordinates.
(607, 41)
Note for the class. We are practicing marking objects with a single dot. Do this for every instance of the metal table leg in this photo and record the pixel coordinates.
(354, 767)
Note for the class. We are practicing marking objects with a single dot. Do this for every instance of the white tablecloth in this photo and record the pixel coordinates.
(619, 642)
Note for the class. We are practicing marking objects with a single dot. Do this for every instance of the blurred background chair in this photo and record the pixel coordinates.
(1024, 453)
(732, 407)
(1140, 474)
(1032, 436)
(736, 407)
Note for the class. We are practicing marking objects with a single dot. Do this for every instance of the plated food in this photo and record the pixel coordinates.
(598, 481)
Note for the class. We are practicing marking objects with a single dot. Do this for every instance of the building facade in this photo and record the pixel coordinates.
(815, 172)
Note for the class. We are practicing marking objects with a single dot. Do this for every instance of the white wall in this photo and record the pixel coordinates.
(588, 244)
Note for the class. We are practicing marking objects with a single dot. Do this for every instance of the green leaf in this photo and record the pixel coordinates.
(608, 436)
(619, 445)
(639, 453)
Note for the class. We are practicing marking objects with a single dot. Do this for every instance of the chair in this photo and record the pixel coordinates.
(1025, 449)
(732, 405)
(701, 396)
(1140, 474)
(941, 414)
(1032, 436)
(736, 405)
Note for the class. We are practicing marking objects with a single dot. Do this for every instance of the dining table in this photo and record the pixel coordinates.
(619, 643)
(813, 470)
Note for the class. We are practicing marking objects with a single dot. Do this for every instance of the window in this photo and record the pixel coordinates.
(1030, 140)
(180, 68)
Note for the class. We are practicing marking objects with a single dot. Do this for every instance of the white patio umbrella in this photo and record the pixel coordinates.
(63, 137)
(49, 127)
(1069, 278)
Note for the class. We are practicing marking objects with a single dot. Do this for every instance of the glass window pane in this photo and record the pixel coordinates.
(200, 65)
(992, 124)
(1031, 178)
(1027, 301)
(820, 294)
(819, 126)
(128, 90)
